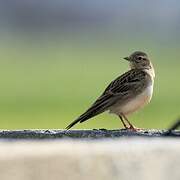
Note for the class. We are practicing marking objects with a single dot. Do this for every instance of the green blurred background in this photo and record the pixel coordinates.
(56, 58)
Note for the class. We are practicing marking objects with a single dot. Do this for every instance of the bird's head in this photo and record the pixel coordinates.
(139, 60)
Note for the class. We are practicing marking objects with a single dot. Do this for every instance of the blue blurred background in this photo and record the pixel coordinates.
(56, 57)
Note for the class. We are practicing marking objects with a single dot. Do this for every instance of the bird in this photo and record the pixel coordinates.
(126, 94)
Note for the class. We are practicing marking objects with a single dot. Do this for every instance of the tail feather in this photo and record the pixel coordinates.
(98, 107)
(87, 115)
(72, 124)
(80, 119)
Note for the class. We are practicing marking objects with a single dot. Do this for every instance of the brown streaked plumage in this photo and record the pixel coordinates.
(127, 93)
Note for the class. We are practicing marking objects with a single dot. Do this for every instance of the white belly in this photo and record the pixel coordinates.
(136, 103)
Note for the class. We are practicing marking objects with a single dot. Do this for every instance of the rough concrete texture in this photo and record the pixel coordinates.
(91, 134)
(105, 159)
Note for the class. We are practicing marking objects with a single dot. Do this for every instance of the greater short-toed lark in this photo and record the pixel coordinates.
(127, 93)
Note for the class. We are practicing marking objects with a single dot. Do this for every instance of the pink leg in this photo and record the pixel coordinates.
(123, 122)
(131, 127)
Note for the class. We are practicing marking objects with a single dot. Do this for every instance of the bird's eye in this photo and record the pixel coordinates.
(139, 58)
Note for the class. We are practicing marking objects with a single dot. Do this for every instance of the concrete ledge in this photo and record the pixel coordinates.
(105, 159)
(95, 134)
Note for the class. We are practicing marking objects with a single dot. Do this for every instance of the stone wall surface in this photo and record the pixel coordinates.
(123, 158)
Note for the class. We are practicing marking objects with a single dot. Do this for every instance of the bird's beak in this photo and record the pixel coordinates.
(126, 58)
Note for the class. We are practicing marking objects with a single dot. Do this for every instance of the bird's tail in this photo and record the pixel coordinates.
(91, 112)
(100, 105)
(81, 119)
(72, 124)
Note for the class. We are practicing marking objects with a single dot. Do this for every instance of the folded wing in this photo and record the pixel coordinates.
(119, 89)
